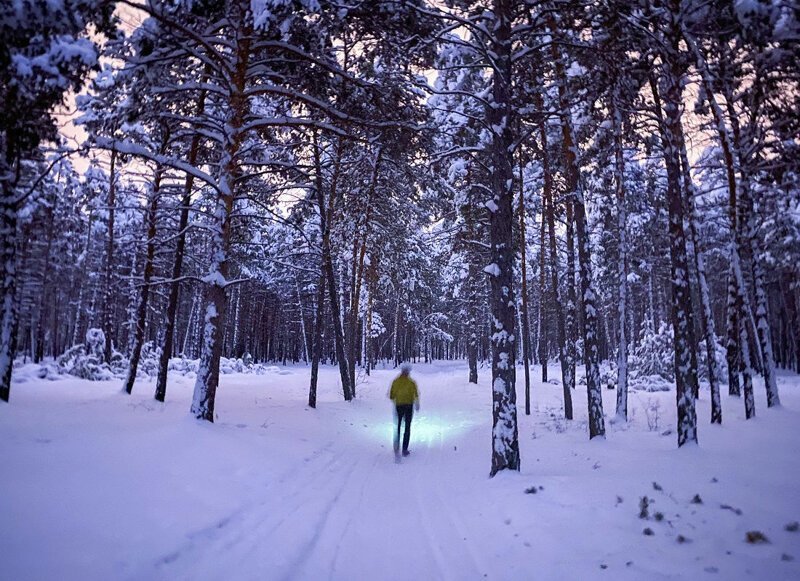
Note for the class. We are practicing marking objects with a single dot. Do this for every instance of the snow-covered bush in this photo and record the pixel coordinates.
(702, 361)
(183, 366)
(649, 383)
(188, 367)
(87, 359)
(148, 363)
(654, 354)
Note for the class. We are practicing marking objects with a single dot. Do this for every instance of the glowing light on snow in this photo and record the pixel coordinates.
(425, 428)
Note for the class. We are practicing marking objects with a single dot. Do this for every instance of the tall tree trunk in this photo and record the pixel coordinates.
(474, 296)
(682, 312)
(108, 305)
(396, 331)
(205, 388)
(549, 209)
(622, 267)
(542, 302)
(793, 321)
(316, 353)
(505, 444)
(8, 317)
(177, 264)
(360, 248)
(326, 217)
(303, 331)
(763, 331)
(368, 364)
(731, 142)
(590, 327)
(526, 335)
(707, 317)
(567, 374)
(141, 309)
(38, 353)
(570, 311)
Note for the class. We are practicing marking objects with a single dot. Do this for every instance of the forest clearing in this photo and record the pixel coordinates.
(399, 289)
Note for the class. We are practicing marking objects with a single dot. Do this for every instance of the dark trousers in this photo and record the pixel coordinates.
(404, 412)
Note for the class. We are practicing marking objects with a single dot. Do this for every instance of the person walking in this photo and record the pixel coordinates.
(405, 395)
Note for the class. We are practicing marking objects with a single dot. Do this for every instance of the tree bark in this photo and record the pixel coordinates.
(8, 317)
(526, 346)
(542, 302)
(326, 217)
(316, 353)
(590, 328)
(205, 388)
(622, 266)
(682, 312)
(177, 265)
(567, 376)
(707, 317)
(505, 444)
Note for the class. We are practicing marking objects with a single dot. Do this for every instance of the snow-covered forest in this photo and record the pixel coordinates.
(578, 220)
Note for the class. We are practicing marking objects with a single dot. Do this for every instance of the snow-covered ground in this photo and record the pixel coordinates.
(99, 485)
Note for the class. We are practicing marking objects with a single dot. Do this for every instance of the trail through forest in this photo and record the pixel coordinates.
(104, 486)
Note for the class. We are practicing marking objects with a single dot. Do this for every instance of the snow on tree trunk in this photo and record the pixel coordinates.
(542, 303)
(548, 209)
(622, 268)
(682, 312)
(590, 326)
(302, 322)
(8, 316)
(570, 311)
(526, 346)
(739, 196)
(205, 387)
(762, 307)
(707, 320)
(505, 444)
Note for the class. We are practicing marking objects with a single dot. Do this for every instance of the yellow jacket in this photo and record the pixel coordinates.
(404, 391)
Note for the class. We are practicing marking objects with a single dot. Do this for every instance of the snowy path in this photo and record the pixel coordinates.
(105, 486)
(346, 498)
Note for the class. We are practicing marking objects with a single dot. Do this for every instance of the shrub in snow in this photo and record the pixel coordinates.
(654, 354)
(87, 361)
(649, 383)
(148, 362)
(183, 366)
(608, 374)
(702, 361)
